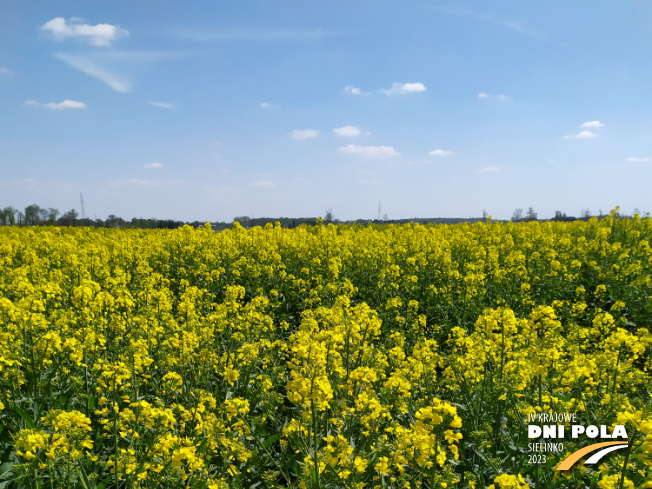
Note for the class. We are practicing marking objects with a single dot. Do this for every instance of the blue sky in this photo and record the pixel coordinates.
(211, 110)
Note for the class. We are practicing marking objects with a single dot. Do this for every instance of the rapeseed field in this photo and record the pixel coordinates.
(343, 356)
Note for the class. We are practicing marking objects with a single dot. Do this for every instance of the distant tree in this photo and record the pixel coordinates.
(517, 215)
(52, 216)
(32, 215)
(69, 218)
(585, 214)
(385, 217)
(637, 211)
(559, 216)
(114, 221)
(485, 214)
(8, 216)
(20, 218)
(328, 217)
(244, 221)
(531, 215)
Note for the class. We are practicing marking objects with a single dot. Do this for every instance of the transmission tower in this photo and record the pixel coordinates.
(379, 210)
(81, 199)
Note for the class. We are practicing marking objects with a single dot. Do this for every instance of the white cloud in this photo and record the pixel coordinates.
(6, 71)
(402, 88)
(502, 97)
(355, 91)
(489, 169)
(582, 135)
(347, 131)
(153, 165)
(163, 105)
(263, 184)
(304, 134)
(96, 35)
(637, 159)
(66, 104)
(102, 65)
(92, 68)
(441, 152)
(265, 105)
(372, 152)
(592, 124)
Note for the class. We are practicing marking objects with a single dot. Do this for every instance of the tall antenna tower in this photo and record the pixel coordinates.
(81, 199)
(379, 210)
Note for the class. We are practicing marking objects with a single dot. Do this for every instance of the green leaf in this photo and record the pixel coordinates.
(271, 440)
(4, 468)
(29, 422)
(87, 484)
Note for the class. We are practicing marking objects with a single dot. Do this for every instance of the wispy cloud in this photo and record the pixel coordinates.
(371, 152)
(592, 124)
(516, 26)
(355, 91)
(262, 184)
(347, 131)
(637, 159)
(441, 152)
(501, 97)
(92, 68)
(6, 71)
(107, 66)
(66, 104)
(265, 105)
(403, 88)
(489, 169)
(138, 182)
(304, 134)
(154, 165)
(23, 182)
(95, 35)
(162, 105)
(211, 35)
(582, 135)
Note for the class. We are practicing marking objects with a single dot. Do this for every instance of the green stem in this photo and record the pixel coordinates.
(622, 472)
(314, 431)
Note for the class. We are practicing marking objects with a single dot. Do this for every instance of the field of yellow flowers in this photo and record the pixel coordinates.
(322, 357)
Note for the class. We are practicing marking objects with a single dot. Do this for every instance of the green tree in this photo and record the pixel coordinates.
(69, 218)
(32, 215)
(52, 216)
(8, 216)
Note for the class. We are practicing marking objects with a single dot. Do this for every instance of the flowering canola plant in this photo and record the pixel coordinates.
(321, 357)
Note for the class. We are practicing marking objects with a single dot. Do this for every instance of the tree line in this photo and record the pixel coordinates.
(34, 215)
